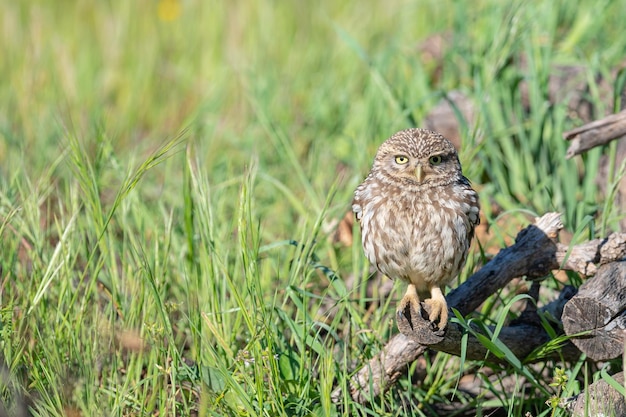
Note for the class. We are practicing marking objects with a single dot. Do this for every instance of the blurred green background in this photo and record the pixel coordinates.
(172, 173)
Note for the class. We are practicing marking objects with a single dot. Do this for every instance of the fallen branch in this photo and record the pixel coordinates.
(534, 254)
(596, 133)
(521, 337)
(586, 257)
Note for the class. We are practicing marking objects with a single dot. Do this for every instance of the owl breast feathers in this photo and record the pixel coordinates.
(417, 214)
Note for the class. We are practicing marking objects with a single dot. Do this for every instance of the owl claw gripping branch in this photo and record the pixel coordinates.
(417, 214)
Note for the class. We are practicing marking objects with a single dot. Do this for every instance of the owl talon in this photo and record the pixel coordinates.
(409, 301)
(438, 308)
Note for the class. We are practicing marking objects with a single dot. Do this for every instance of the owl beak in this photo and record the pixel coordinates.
(419, 173)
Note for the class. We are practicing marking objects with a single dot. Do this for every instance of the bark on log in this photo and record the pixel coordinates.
(600, 399)
(599, 132)
(534, 254)
(521, 337)
(600, 309)
(586, 257)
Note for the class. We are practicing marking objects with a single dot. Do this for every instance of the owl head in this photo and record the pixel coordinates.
(420, 157)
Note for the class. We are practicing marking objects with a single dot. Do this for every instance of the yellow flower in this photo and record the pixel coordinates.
(168, 10)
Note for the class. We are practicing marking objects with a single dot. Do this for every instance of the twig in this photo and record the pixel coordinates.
(596, 133)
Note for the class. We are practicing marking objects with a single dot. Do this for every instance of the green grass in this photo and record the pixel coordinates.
(167, 186)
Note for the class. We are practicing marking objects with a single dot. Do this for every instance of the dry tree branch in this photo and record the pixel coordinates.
(596, 133)
(534, 254)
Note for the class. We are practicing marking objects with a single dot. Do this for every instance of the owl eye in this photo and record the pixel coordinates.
(435, 159)
(401, 159)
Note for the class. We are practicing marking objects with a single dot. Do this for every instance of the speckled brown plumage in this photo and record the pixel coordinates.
(417, 214)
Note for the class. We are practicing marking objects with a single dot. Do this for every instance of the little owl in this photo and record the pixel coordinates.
(417, 214)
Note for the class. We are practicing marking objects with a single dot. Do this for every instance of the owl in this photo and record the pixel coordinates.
(417, 214)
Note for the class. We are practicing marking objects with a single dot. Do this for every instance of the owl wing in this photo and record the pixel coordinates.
(472, 212)
(357, 207)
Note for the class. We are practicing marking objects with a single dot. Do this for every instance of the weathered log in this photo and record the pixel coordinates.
(600, 399)
(599, 310)
(596, 133)
(532, 249)
(580, 258)
(585, 258)
(534, 254)
(521, 337)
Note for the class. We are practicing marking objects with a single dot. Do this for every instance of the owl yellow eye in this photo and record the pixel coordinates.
(435, 159)
(401, 159)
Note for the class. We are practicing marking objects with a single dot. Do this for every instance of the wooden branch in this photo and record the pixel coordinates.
(600, 309)
(521, 337)
(599, 132)
(386, 367)
(585, 258)
(600, 399)
(534, 254)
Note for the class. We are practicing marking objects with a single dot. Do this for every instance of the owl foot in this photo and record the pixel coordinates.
(410, 299)
(438, 307)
